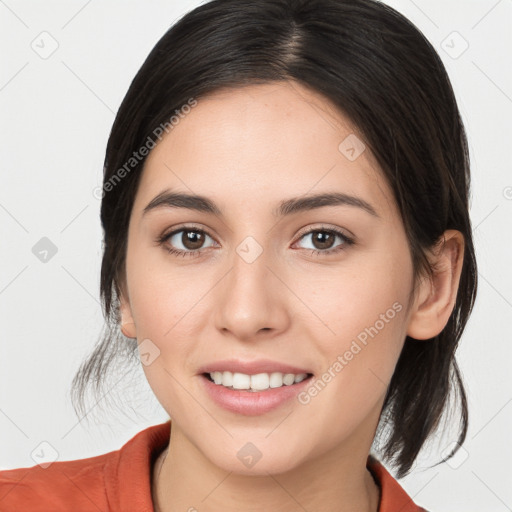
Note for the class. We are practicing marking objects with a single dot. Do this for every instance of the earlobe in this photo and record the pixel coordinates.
(127, 323)
(437, 296)
(128, 329)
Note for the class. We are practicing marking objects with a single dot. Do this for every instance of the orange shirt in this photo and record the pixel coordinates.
(120, 481)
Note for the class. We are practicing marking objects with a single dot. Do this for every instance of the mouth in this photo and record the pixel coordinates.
(253, 394)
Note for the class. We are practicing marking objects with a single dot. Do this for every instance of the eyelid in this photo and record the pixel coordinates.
(325, 227)
(185, 227)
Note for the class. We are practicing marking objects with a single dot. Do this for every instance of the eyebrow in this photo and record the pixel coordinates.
(169, 199)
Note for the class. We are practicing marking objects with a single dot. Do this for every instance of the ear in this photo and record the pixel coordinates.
(125, 310)
(436, 297)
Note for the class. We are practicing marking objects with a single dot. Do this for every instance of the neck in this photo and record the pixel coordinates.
(184, 480)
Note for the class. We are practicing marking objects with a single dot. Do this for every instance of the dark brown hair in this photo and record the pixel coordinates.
(383, 74)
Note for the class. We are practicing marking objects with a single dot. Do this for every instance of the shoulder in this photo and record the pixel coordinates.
(118, 480)
(78, 482)
(392, 496)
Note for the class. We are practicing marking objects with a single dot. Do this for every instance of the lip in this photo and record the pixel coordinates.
(252, 403)
(251, 367)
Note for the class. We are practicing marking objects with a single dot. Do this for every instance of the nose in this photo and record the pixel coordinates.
(252, 296)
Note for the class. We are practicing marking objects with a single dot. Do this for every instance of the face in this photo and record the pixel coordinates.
(266, 282)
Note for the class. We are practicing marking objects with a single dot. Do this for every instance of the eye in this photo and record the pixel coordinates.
(323, 240)
(188, 240)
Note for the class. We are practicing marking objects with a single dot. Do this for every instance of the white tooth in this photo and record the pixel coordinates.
(288, 379)
(227, 379)
(276, 380)
(259, 381)
(241, 381)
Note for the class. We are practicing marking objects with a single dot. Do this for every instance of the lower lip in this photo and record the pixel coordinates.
(252, 403)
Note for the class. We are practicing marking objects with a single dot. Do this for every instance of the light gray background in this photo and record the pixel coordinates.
(56, 116)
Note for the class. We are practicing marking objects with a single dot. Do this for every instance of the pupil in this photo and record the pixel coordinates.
(323, 237)
(192, 239)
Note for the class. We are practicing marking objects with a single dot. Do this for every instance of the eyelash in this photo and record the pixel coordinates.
(347, 241)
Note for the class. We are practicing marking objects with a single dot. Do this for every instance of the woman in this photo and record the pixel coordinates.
(287, 245)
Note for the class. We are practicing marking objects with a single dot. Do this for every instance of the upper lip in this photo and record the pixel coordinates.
(251, 367)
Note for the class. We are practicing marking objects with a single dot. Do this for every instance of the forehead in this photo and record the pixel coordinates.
(263, 141)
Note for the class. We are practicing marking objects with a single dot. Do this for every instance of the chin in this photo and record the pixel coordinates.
(251, 461)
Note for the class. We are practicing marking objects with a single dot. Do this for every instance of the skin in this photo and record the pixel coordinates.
(248, 149)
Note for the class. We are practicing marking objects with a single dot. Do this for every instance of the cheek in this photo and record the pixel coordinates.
(365, 345)
(161, 295)
(366, 294)
(167, 311)
(168, 306)
(359, 362)
(362, 313)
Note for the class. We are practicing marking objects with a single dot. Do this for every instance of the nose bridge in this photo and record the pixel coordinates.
(251, 246)
(250, 276)
(248, 300)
